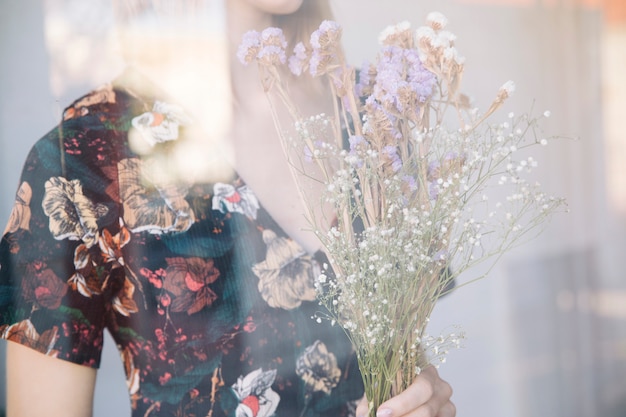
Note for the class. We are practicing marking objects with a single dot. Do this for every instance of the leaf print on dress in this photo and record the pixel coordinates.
(161, 124)
(23, 332)
(160, 210)
(72, 215)
(124, 302)
(228, 199)
(88, 279)
(287, 275)
(85, 279)
(318, 368)
(131, 372)
(20, 214)
(255, 395)
(111, 245)
(187, 280)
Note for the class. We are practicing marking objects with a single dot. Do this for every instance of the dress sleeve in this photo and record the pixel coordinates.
(51, 281)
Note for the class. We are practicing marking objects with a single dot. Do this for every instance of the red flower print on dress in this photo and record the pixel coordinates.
(42, 286)
(187, 280)
(255, 394)
(228, 199)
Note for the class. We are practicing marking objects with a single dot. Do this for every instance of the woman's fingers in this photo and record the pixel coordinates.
(362, 407)
(428, 396)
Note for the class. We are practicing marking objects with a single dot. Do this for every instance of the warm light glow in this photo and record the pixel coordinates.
(185, 56)
(614, 103)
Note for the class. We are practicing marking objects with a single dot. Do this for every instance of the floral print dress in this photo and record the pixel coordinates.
(210, 304)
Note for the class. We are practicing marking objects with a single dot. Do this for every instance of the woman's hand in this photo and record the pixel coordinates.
(428, 396)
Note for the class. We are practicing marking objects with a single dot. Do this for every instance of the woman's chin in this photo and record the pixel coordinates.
(280, 7)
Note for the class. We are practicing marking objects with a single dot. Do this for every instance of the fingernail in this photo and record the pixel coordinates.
(383, 412)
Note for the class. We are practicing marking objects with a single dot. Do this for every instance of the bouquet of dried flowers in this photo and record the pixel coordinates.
(406, 162)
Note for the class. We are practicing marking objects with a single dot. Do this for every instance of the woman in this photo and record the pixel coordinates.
(205, 285)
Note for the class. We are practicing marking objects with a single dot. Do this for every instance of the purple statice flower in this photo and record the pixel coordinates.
(273, 36)
(272, 55)
(440, 255)
(389, 77)
(450, 156)
(433, 170)
(409, 180)
(308, 154)
(273, 44)
(391, 152)
(317, 64)
(249, 47)
(299, 60)
(324, 42)
(379, 117)
(402, 82)
(433, 190)
(326, 35)
(268, 47)
(357, 143)
(364, 85)
(420, 80)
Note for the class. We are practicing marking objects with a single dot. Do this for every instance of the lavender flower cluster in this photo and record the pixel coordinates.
(266, 47)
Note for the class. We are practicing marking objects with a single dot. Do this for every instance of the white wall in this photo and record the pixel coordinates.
(546, 332)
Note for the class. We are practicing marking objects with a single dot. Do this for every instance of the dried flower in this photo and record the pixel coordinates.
(249, 47)
(507, 89)
(416, 184)
(436, 20)
(326, 38)
(298, 62)
(398, 35)
(266, 47)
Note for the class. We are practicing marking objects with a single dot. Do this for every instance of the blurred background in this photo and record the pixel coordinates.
(546, 331)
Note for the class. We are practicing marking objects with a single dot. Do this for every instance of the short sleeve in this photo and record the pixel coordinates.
(51, 280)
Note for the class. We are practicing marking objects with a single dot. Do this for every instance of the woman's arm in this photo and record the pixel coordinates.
(38, 385)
